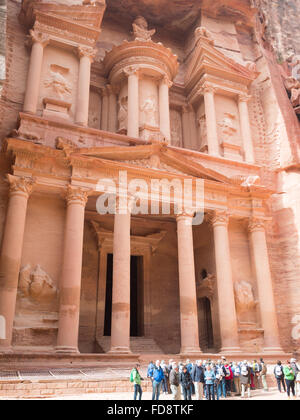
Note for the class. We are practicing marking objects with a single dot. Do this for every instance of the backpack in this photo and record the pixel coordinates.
(227, 371)
(237, 371)
(131, 376)
(278, 370)
(244, 370)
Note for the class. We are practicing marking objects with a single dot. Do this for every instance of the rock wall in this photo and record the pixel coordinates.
(2, 41)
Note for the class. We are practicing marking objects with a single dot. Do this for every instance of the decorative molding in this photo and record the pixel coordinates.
(256, 225)
(84, 51)
(76, 195)
(219, 218)
(39, 37)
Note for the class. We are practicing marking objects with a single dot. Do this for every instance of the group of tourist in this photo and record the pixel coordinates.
(214, 380)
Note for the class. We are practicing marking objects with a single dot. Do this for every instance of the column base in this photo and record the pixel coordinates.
(272, 351)
(119, 350)
(66, 349)
(190, 350)
(230, 350)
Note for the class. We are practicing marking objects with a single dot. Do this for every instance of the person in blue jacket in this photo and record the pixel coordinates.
(209, 376)
(156, 375)
(150, 370)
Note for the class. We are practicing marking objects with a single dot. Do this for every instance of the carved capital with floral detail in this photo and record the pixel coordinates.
(256, 225)
(38, 37)
(76, 195)
(20, 185)
(131, 70)
(207, 88)
(166, 81)
(87, 52)
(244, 97)
(219, 218)
(202, 32)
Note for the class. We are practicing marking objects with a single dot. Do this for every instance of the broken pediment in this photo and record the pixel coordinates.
(156, 156)
(206, 60)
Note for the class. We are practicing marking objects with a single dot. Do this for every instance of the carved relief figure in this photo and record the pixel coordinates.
(227, 126)
(244, 296)
(57, 82)
(123, 113)
(176, 128)
(36, 283)
(140, 30)
(203, 132)
(149, 110)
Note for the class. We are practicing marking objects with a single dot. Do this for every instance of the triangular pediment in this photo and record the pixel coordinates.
(157, 157)
(207, 60)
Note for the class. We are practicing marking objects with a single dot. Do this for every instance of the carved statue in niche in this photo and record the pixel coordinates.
(140, 30)
(176, 128)
(149, 110)
(36, 283)
(57, 81)
(228, 126)
(123, 113)
(203, 133)
(244, 296)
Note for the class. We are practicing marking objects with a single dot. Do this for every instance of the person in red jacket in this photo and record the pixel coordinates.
(228, 378)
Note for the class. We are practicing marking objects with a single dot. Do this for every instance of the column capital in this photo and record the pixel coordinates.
(244, 97)
(86, 52)
(76, 195)
(186, 108)
(131, 70)
(38, 37)
(219, 218)
(165, 80)
(207, 88)
(256, 224)
(186, 215)
(19, 185)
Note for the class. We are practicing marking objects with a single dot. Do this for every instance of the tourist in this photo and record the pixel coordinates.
(254, 375)
(189, 366)
(165, 381)
(150, 370)
(186, 383)
(135, 378)
(157, 376)
(210, 378)
(228, 378)
(221, 386)
(236, 370)
(171, 361)
(298, 384)
(174, 379)
(279, 376)
(245, 378)
(294, 367)
(289, 377)
(263, 375)
(198, 379)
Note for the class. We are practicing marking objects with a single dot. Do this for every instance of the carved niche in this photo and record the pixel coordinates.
(36, 284)
(57, 81)
(148, 110)
(245, 302)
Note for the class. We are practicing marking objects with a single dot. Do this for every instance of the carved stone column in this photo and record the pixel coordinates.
(11, 252)
(245, 128)
(211, 120)
(133, 101)
(261, 266)
(187, 286)
(164, 108)
(86, 56)
(39, 41)
(112, 109)
(227, 311)
(120, 318)
(104, 113)
(70, 281)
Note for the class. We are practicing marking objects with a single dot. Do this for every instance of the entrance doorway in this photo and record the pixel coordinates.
(206, 338)
(136, 296)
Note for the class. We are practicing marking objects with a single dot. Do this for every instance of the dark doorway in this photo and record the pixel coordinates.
(136, 296)
(206, 338)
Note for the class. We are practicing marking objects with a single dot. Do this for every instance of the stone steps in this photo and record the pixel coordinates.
(138, 345)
